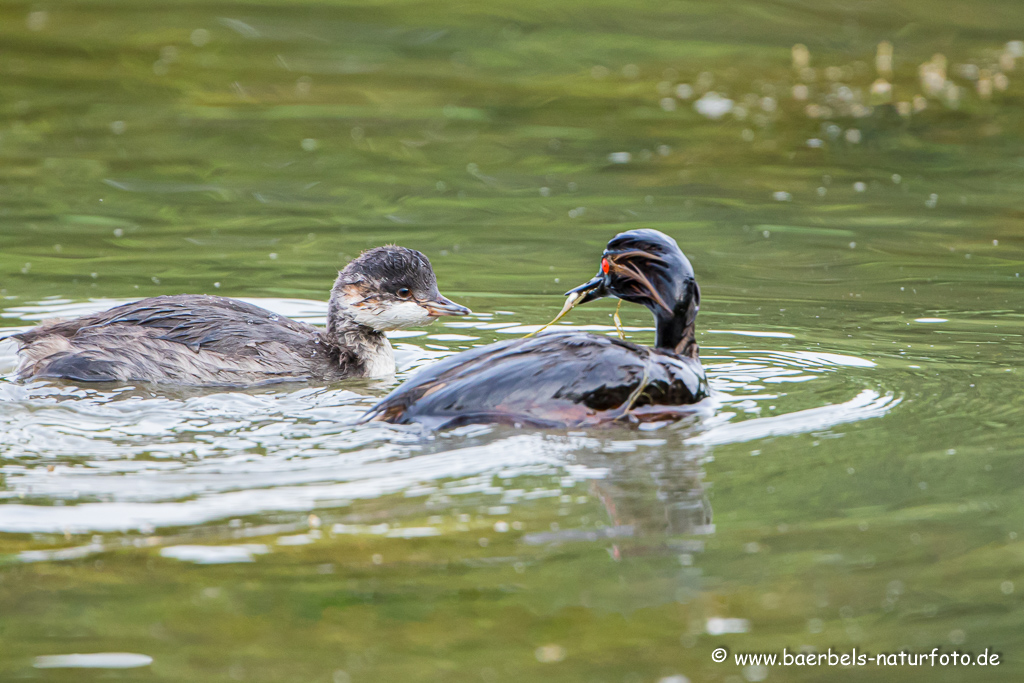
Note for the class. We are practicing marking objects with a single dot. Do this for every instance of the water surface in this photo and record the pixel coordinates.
(856, 480)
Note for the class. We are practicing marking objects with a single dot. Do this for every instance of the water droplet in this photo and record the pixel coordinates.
(200, 37)
(713, 106)
(549, 654)
(36, 21)
(801, 56)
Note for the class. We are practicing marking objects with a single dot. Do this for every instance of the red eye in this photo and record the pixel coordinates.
(604, 266)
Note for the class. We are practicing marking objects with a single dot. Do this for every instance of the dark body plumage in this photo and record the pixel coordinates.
(184, 339)
(560, 379)
(572, 379)
(201, 340)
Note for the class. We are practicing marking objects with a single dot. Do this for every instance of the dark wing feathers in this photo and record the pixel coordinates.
(83, 368)
(199, 322)
(556, 379)
(186, 339)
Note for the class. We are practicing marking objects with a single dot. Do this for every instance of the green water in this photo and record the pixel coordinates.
(858, 483)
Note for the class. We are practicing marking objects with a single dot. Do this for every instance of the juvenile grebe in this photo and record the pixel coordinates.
(204, 340)
(570, 379)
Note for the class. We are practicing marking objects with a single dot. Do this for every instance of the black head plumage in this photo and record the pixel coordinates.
(390, 269)
(648, 268)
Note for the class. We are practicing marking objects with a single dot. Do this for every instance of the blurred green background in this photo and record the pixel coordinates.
(838, 172)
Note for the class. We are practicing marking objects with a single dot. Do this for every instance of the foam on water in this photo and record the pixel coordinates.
(95, 660)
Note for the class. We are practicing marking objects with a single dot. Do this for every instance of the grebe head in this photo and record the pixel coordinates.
(648, 268)
(388, 288)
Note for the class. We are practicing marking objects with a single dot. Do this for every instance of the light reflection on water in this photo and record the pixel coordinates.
(854, 221)
(146, 458)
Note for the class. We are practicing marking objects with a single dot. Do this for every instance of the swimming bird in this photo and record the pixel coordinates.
(202, 340)
(574, 379)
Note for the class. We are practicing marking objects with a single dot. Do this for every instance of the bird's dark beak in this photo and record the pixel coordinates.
(443, 306)
(589, 291)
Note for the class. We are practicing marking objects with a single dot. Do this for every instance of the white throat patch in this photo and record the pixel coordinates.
(379, 361)
(391, 316)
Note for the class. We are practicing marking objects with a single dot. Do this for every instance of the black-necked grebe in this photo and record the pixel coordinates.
(570, 379)
(204, 340)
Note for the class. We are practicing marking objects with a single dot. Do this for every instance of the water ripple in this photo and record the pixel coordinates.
(81, 459)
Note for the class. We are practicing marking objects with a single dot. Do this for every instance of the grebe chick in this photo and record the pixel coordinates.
(204, 340)
(573, 379)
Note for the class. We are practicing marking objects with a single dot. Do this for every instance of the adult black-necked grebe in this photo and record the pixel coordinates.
(204, 340)
(570, 379)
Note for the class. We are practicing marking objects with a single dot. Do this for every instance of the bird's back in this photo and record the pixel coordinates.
(183, 339)
(560, 379)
